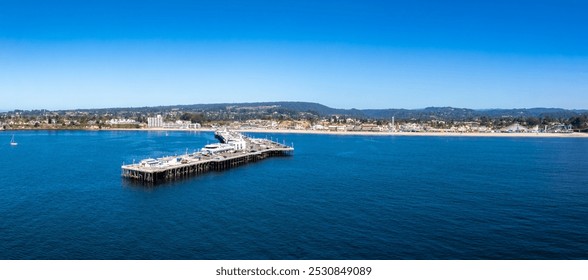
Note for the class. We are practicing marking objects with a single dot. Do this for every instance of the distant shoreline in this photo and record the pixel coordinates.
(444, 134)
(341, 133)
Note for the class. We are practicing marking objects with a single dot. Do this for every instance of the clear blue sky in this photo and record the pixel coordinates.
(344, 54)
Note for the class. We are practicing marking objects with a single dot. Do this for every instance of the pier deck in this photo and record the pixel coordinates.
(236, 149)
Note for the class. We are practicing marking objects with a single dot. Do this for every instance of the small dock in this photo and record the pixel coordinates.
(234, 149)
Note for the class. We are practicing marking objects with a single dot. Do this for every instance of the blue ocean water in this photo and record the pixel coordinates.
(338, 197)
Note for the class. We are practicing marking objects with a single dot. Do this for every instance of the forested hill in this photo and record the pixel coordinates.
(295, 109)
(449, 113)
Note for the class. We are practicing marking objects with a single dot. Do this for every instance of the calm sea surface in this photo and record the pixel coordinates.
(338, 197)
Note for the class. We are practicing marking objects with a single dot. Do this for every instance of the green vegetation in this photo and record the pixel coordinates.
(284, 113)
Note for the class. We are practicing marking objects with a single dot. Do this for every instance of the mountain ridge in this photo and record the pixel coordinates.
(300, 107)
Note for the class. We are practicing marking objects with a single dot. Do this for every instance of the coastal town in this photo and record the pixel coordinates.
(276, 118)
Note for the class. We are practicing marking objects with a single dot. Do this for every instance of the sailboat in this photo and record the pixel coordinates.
(12, 143)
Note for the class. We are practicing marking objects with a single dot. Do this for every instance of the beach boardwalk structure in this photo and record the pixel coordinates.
(233, 150)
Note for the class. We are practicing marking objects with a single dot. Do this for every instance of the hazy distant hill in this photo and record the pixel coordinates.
(316, 108)
(426, 113)
(463, 113)
(533, 112)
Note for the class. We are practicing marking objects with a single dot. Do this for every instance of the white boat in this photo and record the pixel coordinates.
(12, 143)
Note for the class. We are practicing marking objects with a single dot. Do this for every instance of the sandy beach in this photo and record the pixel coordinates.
(444, 134)
(363, 133)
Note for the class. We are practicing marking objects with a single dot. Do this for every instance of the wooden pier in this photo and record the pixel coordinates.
(234, 150)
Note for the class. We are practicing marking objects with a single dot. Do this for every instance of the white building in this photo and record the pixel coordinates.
(121, 121)
(515, 128)
(181, 125)
(238, 144)
(155, 121)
